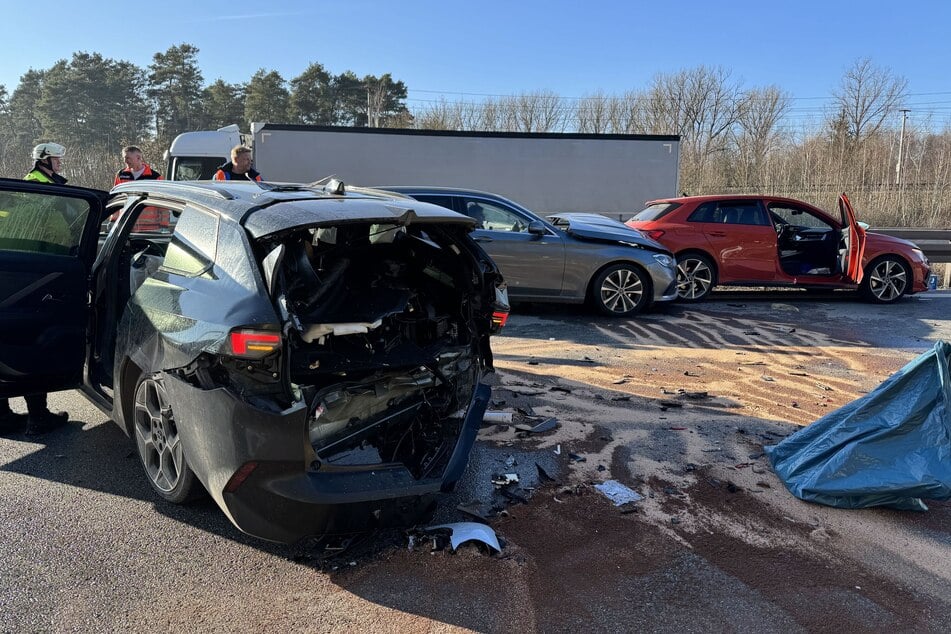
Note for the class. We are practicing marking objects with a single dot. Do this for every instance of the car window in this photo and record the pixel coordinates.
(741, 212)
(493, 217)
(442, 201)
(194, 243)
(655, 211)
(41, 223)
(707, 212)
(797, 216)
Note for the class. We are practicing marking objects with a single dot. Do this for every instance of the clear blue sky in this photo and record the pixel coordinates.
(464, 51)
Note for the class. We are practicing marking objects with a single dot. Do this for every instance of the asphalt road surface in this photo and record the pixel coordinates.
(717, 543)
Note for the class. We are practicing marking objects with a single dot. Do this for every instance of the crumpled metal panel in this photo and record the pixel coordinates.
(889, 448)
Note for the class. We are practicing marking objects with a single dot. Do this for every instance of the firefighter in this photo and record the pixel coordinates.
(47, 162)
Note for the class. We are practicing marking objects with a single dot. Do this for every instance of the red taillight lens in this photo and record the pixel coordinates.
(498, 319)
(254, 344)
(654, 234)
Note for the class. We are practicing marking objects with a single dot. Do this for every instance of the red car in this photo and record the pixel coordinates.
(766, 240)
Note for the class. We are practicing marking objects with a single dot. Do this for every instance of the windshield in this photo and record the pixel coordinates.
(655, 211)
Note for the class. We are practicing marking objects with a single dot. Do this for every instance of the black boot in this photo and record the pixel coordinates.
(43, 422)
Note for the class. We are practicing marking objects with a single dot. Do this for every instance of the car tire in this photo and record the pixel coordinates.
(696, 277)
(621, 290)
(159, 444)
(886, 280)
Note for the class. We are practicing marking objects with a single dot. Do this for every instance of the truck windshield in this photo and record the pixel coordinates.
(194, 168)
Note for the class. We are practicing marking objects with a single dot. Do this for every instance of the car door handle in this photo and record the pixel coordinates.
(482, 239)
(717, 234)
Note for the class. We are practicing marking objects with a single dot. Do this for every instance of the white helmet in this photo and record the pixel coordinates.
(45, 150)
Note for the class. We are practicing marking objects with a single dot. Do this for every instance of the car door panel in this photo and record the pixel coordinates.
(854, 238)
(48, 239)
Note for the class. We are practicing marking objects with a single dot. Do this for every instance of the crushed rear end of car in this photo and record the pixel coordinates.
(361, 402)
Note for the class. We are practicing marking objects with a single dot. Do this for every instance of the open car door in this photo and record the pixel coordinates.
(48, 241)
(853, 241)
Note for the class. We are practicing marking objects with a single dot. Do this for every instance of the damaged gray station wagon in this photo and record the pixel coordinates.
(312, 357)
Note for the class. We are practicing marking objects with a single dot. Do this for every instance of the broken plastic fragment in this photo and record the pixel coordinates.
(505, 479)
(497, 417)
(316, 331)
(463, 532)
(617, 492)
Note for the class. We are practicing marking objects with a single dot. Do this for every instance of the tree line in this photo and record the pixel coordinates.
(734, 139)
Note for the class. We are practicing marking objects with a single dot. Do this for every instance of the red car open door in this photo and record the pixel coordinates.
(853, 237)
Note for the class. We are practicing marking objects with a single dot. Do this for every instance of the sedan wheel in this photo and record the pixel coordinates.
(159, 443)
(621, 290)
(695, 277)
(886, 280)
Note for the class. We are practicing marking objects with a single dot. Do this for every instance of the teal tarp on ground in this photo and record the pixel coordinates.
(890, 448)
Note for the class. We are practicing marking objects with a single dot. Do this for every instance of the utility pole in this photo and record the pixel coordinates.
(901, 159)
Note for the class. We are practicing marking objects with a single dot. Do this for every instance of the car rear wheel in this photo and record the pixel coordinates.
(886, 280)
(159, 443)
(621, 290)
(696, 277)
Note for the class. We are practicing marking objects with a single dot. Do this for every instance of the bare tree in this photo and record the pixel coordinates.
(758, 134)
(867, 97)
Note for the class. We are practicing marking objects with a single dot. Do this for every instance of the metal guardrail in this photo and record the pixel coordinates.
(936, 243)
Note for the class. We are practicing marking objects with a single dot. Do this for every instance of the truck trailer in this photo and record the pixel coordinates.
(609, 174)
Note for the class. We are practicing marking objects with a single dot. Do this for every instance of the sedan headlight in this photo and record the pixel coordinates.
(665, 260)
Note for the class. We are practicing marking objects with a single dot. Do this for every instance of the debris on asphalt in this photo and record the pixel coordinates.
(768, 378)
(543, 474)
(575, 457)
(619, 381)
(671, 403)
(752, 363)
(694, 395)
(512, 496)
(557, 450)
(560, 388)
(497, 417)
(504, 479)
(823, 386)
(620, 398)
(510, 462)
(474, 509)
(533, 363)
(462, 532)
(617, 492)
(547, 424)
(677, 428)
(798, 374)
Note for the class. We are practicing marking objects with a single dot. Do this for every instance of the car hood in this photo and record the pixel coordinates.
(883, 241)
(601, 228)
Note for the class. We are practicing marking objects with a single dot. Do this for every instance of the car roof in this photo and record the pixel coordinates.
(683, 200)
(266, 208)
(449, 191)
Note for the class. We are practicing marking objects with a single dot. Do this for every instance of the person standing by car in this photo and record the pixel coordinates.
(47, 162)
(239, 167)
(136, 168)
(151, 218)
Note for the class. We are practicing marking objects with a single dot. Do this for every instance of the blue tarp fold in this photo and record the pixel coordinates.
(891, 448)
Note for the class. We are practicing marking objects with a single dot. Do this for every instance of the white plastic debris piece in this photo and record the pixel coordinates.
(617, 492)
(316, 331)
(505, 479)
(463, 532)
(557, 450)
(497, 417)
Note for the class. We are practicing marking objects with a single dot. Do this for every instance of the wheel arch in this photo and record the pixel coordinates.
(129, 375)
(698, 251)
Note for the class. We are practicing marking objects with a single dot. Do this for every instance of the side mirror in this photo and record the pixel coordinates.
(537, 228)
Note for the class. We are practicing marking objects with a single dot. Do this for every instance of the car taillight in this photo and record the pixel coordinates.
(253, 344)
(653, 234)
(498, 320)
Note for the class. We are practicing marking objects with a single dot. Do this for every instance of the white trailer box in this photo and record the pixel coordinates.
(610, 174)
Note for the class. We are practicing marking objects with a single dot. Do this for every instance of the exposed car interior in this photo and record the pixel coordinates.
(807, 244)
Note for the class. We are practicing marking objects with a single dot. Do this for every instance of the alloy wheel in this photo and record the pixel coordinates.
(622, 291)
(888, 280)
(694, 278)
(156, 434)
